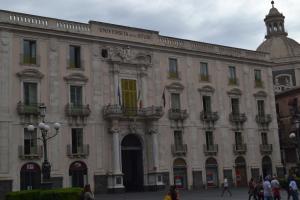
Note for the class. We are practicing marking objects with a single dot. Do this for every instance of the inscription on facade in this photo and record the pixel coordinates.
(123, 33)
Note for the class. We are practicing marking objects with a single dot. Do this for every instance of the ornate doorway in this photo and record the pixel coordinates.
(180, 175)
(132, 163)
(78, 174)
(240, 172)
(211, 167)
(266, 166)
(30, 176)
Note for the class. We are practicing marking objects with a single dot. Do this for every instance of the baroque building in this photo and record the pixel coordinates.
(138, 110)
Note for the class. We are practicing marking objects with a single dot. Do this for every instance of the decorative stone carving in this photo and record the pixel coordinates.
(76, 77)
(30, 73)
(175, 86)
(235, 92)
(260, 94)
(206, 90)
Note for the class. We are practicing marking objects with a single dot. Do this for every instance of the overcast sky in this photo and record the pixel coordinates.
(237, 23)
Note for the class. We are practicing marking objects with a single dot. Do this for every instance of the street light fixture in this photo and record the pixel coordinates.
(44, 128)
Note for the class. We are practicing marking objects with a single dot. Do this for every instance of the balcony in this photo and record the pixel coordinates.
(204, 78)
(78, 110)
(210, 150)
(263, 121)
(209, 116)
(81, 152)
(239, 149)
(266, 149)
(237, 117)
(233, 81)
(177, 114)
(36, 153)
(117, 111)
(174, 75)
(29, 60)
(28, 109)
(179, 150)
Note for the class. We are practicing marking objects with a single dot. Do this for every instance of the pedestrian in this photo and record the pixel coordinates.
(87, 193)
(275, 188)
(260, 190)
(172, 194)
(294, 189)
(226, 187)
(251, 190)
(267, 188)
(288, 190)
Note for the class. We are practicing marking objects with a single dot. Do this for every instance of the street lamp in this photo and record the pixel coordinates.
(44, 128)
(295, 136)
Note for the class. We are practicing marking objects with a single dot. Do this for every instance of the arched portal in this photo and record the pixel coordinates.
(132, 163)
(240, 171)
(266, 166)
(30, 176)
(78, 173)
(211, 167)
(180, 175)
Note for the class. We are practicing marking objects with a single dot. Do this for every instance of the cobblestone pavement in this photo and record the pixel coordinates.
(211, 194)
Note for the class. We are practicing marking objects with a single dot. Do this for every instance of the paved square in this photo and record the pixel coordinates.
(210, 194)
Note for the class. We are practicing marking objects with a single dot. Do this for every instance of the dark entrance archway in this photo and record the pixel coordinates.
(78, 173)
(132, 163)
(30, 176)
(180, 176)
(266, 166)
(212, 177)
(240, 171)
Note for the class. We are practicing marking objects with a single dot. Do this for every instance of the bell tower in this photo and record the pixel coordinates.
(275, 23)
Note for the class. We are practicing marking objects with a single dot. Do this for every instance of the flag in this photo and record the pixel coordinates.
(164, 98)
(139, 99)
(119, 95)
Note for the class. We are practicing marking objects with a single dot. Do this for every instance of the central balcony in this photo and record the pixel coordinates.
(266, 149)
(263, 121)
(209, 116)
(78, 110)
(117, 111)
(237, 117)
(177, 114)
(179, 150)
(239, 149)
(210, 150)
(32, 153)
(79, 152)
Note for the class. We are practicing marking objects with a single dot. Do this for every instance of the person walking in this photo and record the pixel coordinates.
(226, 187)
(267, 188)
(275, 188)
(259, 190)
(294, 189)
(172, 194)
(87, 193)
(251, 190)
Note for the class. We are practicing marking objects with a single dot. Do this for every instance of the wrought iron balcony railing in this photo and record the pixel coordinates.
(265, 119)
(209, 116)
(177, 114)
(77, 110)
(28, 109)
(210, 150)
(179, 150)
(239, 148)
(237, 117)
(34, 153)
(266, 148)
(79, 152)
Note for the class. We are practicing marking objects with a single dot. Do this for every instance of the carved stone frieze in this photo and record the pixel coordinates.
(30, 73)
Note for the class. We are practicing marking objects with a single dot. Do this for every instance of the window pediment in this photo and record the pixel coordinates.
(235, 92)
(175, 87)
(260, 94)
(206, 90)
(76, 77)
(30, 73)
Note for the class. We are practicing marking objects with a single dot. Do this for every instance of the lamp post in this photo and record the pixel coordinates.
(44, 128)
(296, 136)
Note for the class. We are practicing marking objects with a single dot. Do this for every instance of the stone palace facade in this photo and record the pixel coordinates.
(138, 110)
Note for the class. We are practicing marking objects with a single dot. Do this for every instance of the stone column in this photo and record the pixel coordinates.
(115, 178)
(144, 87)
(153, 133)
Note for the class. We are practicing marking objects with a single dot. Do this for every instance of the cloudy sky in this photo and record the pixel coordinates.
(237, 23)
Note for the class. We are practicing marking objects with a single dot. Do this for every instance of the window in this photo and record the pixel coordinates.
(206, 104)
(30, 93)
(264, 138)
(129, 94)
(178, 139)
(204, 72)
(29, 52)
(232, 76)
(235, 107)
(75, 61)
(257, 77)
(238, 138)
(261, 107)
(76, 95)
(175, 101)
(173, 70)
(30, 142)
(77, 140)
(209, 139)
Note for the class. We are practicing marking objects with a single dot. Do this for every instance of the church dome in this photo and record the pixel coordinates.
(280, 47)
